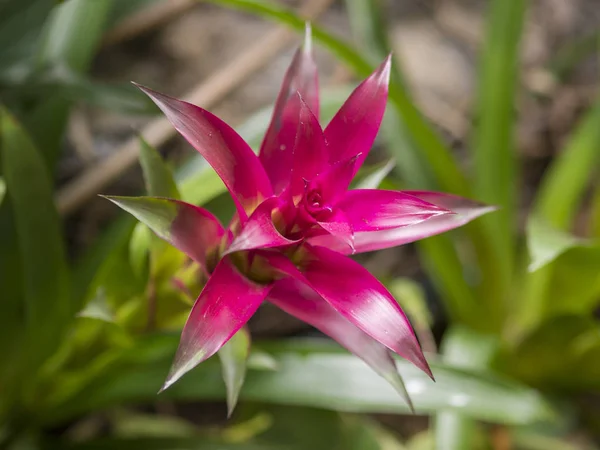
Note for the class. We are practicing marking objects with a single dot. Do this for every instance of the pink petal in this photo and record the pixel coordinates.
(193, 230)
(373, 209)
(310, 150)
(276, 153)
(365, 241)
(260, 231)
(333, 183)
(230, 156)
(226, 303)
(359, 297)
(353, 129)
(297, 299)
(338, 227)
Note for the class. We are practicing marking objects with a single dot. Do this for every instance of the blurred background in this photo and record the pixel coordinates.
(495, 100)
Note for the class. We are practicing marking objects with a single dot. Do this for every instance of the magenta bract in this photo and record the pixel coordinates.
(296, 220)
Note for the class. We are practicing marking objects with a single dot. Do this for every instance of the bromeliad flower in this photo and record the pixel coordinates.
(296, 222)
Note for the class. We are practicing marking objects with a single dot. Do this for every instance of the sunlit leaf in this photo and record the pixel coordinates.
(98, 309)
(371, 177)
(317, 374)
(545, 243)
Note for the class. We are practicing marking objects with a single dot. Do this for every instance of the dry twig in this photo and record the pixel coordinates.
(159, 130)
(147, 19)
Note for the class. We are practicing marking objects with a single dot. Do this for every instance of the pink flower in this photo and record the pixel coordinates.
(296, 221)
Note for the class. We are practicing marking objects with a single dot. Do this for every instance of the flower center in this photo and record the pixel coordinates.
(315, 206)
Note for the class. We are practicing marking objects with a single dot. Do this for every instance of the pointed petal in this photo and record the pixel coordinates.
(338, 227)
(333, 183)
(230, 156)
(193, 230)
(310, 151)
(365, 241)
(276, 150)
(234, 356)
(351, 290)
(226, 303)
(373, 209)
(299, 300)
(260, 231)
(353, 129)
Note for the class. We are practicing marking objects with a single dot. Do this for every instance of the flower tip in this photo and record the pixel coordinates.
(307, 38)
(384, 70)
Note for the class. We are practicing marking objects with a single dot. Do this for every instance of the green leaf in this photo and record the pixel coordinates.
(139, 248)
(312, 373)
(20, 24)
(462, 348)
(98, 308)
(157, 176)
(130, 424)
(47, 306)
(371, 177)
(157, 213)
(2, 189)
(574, 286)
(160, 444)
(233, 356)
(73, 33)
(493, 140)
(545, 243)
(411, 297)
(565, 181)
(562, 354)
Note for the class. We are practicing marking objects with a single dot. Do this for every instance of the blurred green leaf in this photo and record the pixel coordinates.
(130, 424)
(562, 354)
(574, 286)
(442, 262)
(69, 39)
(546, 243)
(90, 267)
(372, 176)
(492, 145)
(160, 444)
(312, 373)
(46, 304)
(46, 123)
(411, 297)
(139, 248)
(2, 189)
(157, 176)
(233, 356)
(466, 349)
(594, 224)
(562, 187)
(73, 33)
(98, 308)
(20, 25)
